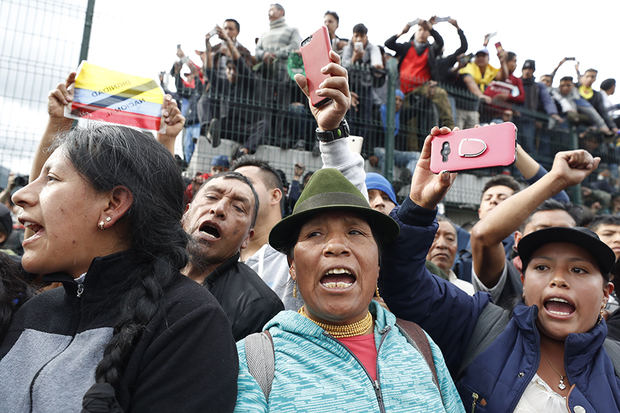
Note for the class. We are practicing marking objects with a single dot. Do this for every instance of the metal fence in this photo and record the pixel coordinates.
(39, 44)
(257, 108)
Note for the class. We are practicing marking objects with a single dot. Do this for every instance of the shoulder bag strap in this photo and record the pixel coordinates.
(260, 357)
(417, 338)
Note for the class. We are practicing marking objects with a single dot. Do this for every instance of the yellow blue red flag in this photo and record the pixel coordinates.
(115, 97)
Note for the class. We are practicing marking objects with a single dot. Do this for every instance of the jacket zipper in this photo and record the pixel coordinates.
(79, 292)
(473, 405)
(376, 384)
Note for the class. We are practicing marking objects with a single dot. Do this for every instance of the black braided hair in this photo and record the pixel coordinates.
(14, 290)
(109, 156)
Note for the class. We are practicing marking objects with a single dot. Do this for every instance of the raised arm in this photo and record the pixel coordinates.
(234, 52)
(532, 171)
(336, 154)
(56, 122)
(569, 168)
(558, 67)
(392, 44)
(174, 120)
(408, 288)
(463, 47)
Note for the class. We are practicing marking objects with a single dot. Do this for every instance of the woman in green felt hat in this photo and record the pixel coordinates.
(342, 351)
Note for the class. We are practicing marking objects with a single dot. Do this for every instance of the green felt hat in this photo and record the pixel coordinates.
(329, 190)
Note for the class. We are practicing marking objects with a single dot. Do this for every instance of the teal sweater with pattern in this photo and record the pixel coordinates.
(315, 373)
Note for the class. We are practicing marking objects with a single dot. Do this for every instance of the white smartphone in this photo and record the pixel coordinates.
(355, 143)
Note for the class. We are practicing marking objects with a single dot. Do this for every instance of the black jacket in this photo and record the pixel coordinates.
(441, 68)
(185, 360)
(247, 301)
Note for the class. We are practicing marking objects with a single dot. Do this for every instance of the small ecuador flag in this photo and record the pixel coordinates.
(115, 97)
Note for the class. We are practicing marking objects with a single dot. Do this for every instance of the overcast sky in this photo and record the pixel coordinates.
(141, 36)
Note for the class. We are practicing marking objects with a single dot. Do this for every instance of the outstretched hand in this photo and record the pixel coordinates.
(428, 188)
(336, 87)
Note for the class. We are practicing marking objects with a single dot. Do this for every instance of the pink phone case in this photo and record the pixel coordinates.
(315, 54)
(488, 146)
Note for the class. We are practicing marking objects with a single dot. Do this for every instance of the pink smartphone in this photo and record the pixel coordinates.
(484, 147)
(315, 54)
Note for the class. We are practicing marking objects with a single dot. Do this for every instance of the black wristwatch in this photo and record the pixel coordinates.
(342, 131)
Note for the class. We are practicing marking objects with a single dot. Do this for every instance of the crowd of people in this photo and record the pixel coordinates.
(130, 288)
(250, 97)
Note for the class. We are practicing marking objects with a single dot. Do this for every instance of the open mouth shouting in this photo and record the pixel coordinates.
(210, 231)
(338, 278)
(37, 230)
(558, 307)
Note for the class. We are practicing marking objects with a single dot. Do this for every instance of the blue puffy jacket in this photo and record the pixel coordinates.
(316, 373)
(496, 379)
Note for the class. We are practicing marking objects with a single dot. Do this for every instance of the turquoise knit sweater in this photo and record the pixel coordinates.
(315, 373)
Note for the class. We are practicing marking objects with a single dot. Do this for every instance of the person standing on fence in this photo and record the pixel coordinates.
(414, 64)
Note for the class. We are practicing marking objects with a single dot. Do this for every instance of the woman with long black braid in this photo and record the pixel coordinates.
(127, 332)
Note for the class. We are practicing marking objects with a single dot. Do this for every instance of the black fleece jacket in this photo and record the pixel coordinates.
(247, 301)
(185, 360)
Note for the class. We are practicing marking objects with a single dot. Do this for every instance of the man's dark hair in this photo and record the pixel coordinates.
(504, 180)
(548, 205)
(567, 78)
(239, 177)
(271, 178)
(605, 219)
(608, 84)
(333, 14)
(592, 70)
(510, 56)
(235, 22)
(360, 29)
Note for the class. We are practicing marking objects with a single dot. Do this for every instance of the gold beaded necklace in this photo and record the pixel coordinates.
(343, 331)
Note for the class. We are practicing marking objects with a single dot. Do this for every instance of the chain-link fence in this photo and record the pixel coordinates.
(236, 106)
(39, 44)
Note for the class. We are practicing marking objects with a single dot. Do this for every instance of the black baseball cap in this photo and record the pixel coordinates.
(580, 236)
(529, 64)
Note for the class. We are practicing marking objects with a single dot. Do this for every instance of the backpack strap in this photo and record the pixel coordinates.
(491, 322)
(260, 357)
(612, 348)
(417, 338)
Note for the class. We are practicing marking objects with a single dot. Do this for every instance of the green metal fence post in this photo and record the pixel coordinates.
(392, 76)
(575, 191)
(88, 24)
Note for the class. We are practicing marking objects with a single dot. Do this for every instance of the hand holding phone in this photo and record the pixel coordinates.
(484, 147)
(414, 22)
(315, 54)
(499, 47)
